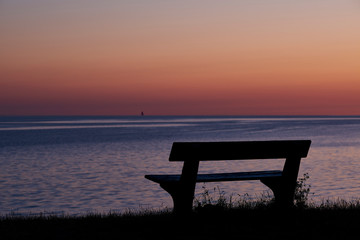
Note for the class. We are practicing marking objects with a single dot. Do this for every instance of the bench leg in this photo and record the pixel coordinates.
(284, 187)
(283, 191)
(182, 197)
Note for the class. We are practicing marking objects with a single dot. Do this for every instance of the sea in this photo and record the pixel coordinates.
(96, 164)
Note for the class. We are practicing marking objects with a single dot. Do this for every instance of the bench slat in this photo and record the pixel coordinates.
(168, 178)
(237, 176)
(210, 151)
(218, 177)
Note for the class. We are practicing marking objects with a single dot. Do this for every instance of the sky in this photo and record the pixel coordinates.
(167, 57)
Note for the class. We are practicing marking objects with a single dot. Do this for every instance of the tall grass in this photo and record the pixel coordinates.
(216, 198)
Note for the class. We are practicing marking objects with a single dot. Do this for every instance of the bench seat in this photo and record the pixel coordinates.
(181, 187)
(218, 177)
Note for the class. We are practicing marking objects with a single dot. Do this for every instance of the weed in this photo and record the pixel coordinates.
(302, 191)
(216, 198)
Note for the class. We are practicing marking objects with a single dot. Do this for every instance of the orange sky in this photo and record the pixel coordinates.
(250, 57)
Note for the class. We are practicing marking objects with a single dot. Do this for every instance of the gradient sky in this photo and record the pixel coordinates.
(164, 57)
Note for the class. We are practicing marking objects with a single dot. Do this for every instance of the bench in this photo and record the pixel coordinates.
(281, 182)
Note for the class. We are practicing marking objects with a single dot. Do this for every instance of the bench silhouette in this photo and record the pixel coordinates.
(282, 183)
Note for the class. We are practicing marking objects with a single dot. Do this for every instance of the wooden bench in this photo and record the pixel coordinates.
(282, 183)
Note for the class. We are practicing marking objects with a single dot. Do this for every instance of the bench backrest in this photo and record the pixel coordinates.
(213, 151)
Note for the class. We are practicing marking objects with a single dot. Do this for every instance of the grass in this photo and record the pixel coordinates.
(330, 220)
(215, 216)
(247, 220)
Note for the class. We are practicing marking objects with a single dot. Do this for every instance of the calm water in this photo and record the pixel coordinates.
(79, 164)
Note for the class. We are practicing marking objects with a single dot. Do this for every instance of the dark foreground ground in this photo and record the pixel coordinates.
(270, 223)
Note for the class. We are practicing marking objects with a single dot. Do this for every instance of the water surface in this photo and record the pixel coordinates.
(80, 164)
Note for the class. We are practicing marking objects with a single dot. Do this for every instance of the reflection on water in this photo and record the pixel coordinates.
(72, 165)
(93, 126)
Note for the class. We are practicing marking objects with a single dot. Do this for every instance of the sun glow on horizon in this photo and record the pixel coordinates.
(180, 58)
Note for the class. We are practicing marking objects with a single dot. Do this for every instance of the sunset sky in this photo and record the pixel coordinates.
(164, 57)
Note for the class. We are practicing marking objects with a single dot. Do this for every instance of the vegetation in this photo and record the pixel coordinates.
(217, 199)
(302, 192)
